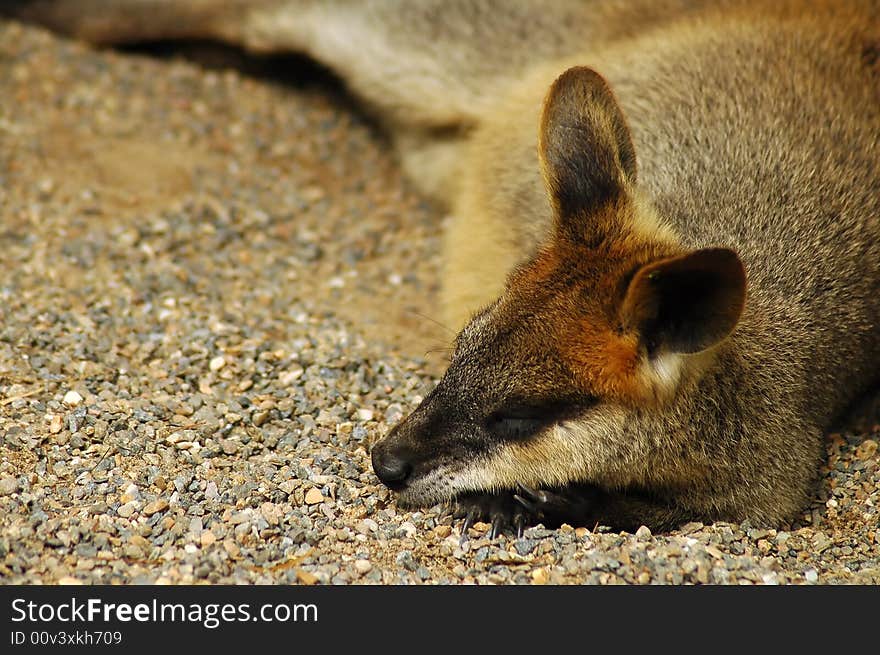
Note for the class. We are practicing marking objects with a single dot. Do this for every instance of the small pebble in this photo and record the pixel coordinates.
(72, 399)
(540, 576)
(68, 580)
(8, 485)
(866, 449)
(306, 578)
(643, 534)
(56, 423)
(153, 507)
(128, 509)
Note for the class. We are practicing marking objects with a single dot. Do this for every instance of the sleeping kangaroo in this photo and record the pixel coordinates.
(664, 255)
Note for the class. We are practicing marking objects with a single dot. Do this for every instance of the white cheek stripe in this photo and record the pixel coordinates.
(568, 452)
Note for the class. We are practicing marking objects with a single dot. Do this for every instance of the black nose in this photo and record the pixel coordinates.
(391, 466)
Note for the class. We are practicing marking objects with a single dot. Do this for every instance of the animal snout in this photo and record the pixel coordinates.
(391, 464)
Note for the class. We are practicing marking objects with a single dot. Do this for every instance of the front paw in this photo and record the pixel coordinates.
(499, 509)
(525, 507)
(553, 507)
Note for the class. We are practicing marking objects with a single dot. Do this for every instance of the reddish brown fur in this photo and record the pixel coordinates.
(583, 317)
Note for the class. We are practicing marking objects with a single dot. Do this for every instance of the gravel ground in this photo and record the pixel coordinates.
(216, 294)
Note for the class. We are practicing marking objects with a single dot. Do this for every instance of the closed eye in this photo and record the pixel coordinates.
(514, 427)
(521, 421)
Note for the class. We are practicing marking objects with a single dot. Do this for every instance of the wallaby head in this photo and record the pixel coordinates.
(606, 325)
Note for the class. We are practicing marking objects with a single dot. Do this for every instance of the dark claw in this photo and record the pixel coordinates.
(537, 496)
(497, 525)
(545, 502)
(519, 522)
(528, 506)
(528, 491)
(468, 522)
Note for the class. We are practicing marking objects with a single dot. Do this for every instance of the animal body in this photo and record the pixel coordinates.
(664, 254)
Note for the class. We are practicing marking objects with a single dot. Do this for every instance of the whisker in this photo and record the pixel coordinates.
(447, 354)
(433, 320)
(439, 349)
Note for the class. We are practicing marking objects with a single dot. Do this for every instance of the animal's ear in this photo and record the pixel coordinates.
(585, 148)
(685, 304)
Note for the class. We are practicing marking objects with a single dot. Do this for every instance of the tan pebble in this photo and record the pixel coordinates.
(156, 506)
(306, 578)
(540, 576)
(643, 533)
(55, 424)
(140, 542)
(287, 378)
(769, 562)
(69, 580)
(271, 512)
(866, 449)
(131, 552)
(714, 552)
(72, 398)
(184, 409)
(8, 485)
(217, 363)
(362, 566)
(479, 526)
(207, 538)
(127, 509)
(232, 548)
(46, 186)
(313, 193)
(580, 533)
(314, 496)
(443, 531)
(644, 577)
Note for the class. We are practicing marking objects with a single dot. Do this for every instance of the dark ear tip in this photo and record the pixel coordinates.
(729, 261)
(726, 263)
(580, 76)
(572, 88)
(720, 259)
(725, 254)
